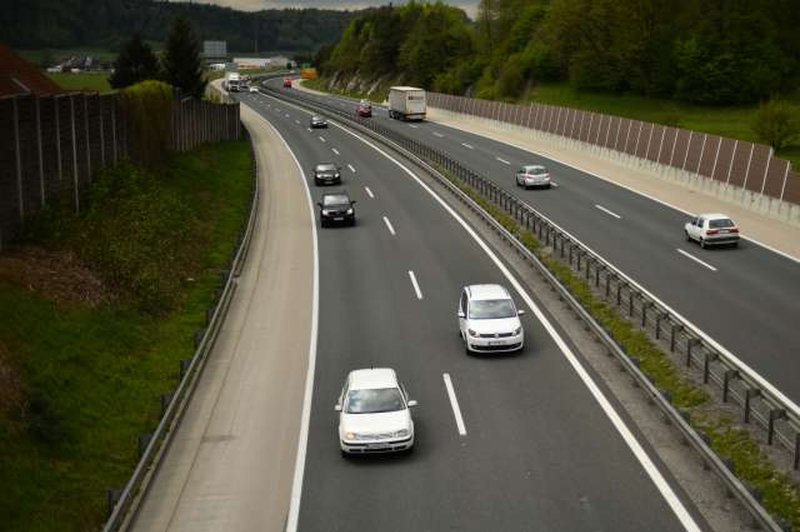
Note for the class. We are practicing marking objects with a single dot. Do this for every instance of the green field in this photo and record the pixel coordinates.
(85, 81)
(82, 382)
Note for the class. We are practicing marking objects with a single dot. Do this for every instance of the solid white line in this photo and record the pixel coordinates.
(416, 285)
(322, 139)
(302, 441)
(287, 116)
(334, 150)
(628, 437)
(502, 160)
(451, 393)
(698, 261)
(615, 215)
(350, 166)
(437, 134)
(468, 146)
(412, 125)
(297, 122)
(369, 192)
(391, 230)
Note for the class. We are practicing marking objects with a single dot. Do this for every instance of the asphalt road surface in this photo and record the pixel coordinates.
(542, 448)
(747, 299)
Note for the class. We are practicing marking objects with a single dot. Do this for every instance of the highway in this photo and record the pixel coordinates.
(746, 299)
(542, 447)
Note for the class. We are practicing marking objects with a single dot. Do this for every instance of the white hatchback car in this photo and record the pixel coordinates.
(533, 175)
(374, 413)
(712, 229)
(488, 320)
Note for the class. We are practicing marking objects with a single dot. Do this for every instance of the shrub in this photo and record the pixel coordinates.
(777, 123)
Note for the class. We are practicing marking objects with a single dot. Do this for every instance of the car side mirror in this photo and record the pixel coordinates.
(337, 407)
(520, 312)
(461, 314)
(412, 402)
(319, 203)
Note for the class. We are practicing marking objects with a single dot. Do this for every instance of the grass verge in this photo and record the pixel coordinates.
(775, 489)
(378, 96)
(89, 378)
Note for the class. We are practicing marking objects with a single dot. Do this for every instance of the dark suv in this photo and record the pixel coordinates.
(318, 122)
(336, 207)
(327, 174)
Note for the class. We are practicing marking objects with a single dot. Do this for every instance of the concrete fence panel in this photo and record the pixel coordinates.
(719, 171)
(740, 164)
(790, 188)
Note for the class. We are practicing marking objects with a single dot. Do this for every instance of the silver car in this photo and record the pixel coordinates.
(533, 175)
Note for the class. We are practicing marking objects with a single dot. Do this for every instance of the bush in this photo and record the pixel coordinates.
(777, 123)
(148, 106)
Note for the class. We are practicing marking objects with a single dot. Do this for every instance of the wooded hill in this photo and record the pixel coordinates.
(716, 52)
(38, 24)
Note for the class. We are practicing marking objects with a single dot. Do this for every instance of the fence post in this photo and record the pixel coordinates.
(39, 149)
(686, 155)
(783, 187)
(88, 144)
(58, 139)
(661, 145)
(627, 136)
(730, 166)
(114, 129)
(102, 131)
(74, 152)
(649, 140)
(18, 157)
(766, 169)
(702, 152)
(638, 138)
(716, 158)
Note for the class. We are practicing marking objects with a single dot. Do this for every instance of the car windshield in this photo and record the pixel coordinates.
(337, 199)
(373, 401)
(720, 222)
(491, 309)
(325, 168)
(537, 170)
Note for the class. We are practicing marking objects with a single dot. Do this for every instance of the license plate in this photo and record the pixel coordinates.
(338, 218)
(495, 342)
(378, 446)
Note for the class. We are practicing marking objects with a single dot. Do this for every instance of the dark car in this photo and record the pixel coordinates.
(327, 174)
(336, 207)
(287, 83)
(364, 109)
(318, 121)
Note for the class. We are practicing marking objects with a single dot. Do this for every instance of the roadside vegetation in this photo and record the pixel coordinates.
(84, 81)
(776, 490)
(698, 65)
(96, 311)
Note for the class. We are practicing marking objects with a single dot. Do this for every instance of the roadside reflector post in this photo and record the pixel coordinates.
(749, 394)
(690, 343)
(706, 365)
(675, 329)
(774, 415)
(729, 374)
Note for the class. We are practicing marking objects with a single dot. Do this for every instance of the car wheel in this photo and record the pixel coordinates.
(703, 243)
(735, 244)
(323, 223)
(344, 454)
(688, 238)
(352, 222)
(317, 182)
(467, 350)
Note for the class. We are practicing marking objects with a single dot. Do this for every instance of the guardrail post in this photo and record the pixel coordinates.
(630, 303)
(748, 394)
(729, 374)
(578, 265)
(675, 329)
(660, 317)
(774, 414)
(645, 306)
(597, 269)
(571, 246)
(619, 293)
(608, 283)
(690, 343)
(588, 267)
(706, 365)
(112, 498)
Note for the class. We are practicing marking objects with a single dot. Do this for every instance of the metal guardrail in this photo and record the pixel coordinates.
(126, 505)
(778, 416)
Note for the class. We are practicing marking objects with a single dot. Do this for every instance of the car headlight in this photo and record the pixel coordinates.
(402, 433)
(350, 211)
(325, 212)
(517, 331)
(472, 333)
(338, 175)
(354, 436)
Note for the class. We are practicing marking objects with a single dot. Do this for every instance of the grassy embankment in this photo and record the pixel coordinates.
(85, 81)
(83, 380)
(733, 122)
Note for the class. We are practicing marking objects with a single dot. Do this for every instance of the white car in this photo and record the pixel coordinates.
(712, 229)
(533, 175)
(374, 413)
(253, 88)
(488, 320)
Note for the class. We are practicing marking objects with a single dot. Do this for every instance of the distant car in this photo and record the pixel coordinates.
(712, 229)
(336, 207)
(318, 122)
(327, 174)
(364, 109)
(287, 83)
(374, 413)
(253, 88)
(488, 320)
(533, 175)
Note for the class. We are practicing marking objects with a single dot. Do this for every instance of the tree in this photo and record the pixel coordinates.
(183, 68)
(135, 62)
(777, 123)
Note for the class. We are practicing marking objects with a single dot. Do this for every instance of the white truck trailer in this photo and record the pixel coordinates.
(232, 82)
(407, 103)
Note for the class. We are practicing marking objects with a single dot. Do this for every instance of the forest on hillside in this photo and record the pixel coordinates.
(38, 24)
(716, 52)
